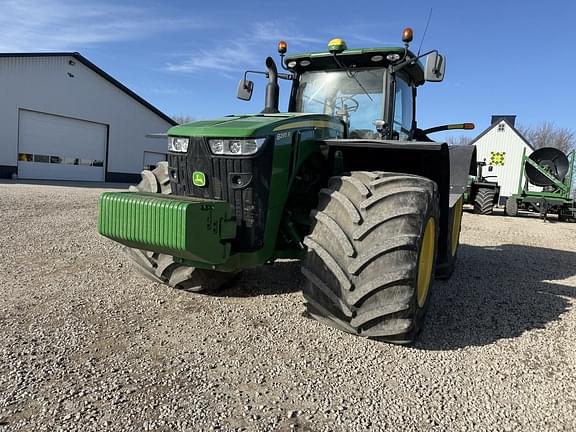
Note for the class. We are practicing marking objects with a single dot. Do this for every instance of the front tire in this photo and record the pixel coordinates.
(372, 252)
(164, 268)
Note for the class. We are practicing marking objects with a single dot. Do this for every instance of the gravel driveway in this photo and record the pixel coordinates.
(87, 344)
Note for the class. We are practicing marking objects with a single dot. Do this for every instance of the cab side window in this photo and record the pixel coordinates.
(403, 109)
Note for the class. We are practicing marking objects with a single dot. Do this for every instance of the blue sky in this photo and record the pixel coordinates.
(185, 57)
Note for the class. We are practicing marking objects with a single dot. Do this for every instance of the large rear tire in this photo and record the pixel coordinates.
(164, 268)
(484, 201)
(372, 252)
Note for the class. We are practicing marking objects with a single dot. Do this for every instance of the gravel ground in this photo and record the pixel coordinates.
(88, 344)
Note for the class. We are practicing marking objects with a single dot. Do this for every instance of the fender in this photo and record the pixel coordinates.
(448, 166)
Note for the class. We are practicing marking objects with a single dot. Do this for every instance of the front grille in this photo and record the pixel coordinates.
(242, 181)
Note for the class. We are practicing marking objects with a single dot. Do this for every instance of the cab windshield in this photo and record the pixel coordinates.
(355, 96)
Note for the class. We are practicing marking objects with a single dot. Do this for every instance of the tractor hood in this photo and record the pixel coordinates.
(254, 125)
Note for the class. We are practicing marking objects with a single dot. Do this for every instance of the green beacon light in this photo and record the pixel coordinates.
(336, 46)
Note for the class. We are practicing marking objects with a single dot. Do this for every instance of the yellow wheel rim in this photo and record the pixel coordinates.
(426, 261)
(457, 221)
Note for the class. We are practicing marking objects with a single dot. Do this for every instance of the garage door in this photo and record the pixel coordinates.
(52, 147)
(151, 159)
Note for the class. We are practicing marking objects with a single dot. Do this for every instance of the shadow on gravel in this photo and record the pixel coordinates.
(552, 218)
(498, 293)
(281, 278)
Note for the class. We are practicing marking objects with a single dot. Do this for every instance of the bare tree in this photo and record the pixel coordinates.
(547, 134)
(181, 119)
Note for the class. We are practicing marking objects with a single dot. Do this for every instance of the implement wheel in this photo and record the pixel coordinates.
(511, 207)
(163, 268)
(371, 254)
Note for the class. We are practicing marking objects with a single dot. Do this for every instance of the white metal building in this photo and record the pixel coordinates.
(63, 118)
(501, 147)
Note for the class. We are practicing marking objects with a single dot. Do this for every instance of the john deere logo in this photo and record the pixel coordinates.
(199, 179)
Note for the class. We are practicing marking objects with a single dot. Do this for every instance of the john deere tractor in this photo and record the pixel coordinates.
(344, 181)
(482, 193)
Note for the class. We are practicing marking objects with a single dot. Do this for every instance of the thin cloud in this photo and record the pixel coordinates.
(223, 59)
(165, 91)
(273, 31)
(240, 53)
(49, 25)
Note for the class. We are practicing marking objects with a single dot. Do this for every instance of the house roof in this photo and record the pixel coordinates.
(492, 126)
(100, 72)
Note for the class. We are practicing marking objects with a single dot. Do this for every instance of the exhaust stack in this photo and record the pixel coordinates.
(272, 88)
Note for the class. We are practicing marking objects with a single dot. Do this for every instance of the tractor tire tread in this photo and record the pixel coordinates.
(484, 201)
(371, 292)
(345, 202)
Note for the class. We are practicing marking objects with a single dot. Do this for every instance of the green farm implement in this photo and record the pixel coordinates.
(344, 180)
(552, 171)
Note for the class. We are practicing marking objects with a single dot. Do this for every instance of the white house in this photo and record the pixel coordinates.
(501, 146)
(63, 118)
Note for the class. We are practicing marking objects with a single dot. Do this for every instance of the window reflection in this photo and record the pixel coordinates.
(60, 160)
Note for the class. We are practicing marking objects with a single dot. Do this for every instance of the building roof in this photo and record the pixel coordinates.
(100, 72)
(492, 126)
(498, 117)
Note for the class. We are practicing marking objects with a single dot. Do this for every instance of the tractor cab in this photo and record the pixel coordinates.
(371, 90)
(358, 87)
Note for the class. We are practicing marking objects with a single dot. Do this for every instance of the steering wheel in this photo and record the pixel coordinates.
(340, 103)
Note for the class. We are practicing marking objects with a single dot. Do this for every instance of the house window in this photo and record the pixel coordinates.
(501, 127)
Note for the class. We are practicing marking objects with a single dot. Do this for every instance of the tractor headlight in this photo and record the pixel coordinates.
(178, 144)
(236, 147)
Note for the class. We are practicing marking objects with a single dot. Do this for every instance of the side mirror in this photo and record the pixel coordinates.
(245, 89)
(435, 67)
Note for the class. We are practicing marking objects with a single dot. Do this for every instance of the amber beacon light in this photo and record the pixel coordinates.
(407, 35)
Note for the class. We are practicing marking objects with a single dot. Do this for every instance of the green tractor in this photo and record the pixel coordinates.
(552, 170)
(482, 193)
(344, 181)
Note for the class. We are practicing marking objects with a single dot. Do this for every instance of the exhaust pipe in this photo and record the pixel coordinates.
(272, 88)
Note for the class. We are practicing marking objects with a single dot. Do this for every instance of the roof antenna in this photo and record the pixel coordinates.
(425, 30)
